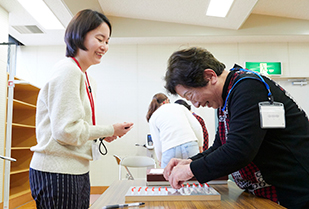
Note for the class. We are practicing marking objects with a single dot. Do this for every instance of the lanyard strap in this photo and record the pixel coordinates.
(88, 90)
(260, 78)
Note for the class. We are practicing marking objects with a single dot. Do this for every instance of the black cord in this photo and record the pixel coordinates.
(101, 143)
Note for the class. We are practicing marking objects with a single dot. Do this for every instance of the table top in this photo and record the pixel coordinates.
(231, 197)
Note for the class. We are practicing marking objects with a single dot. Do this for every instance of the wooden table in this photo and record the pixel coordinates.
(231, 197)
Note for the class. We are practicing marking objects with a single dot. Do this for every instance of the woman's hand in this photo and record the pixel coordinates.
(110, 138)
(121, 129)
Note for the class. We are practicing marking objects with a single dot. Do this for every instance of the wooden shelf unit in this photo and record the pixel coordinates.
(23, 137)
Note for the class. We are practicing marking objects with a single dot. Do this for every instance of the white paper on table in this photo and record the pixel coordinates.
(156, 171)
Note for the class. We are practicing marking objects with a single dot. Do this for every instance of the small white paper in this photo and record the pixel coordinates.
(156, 171)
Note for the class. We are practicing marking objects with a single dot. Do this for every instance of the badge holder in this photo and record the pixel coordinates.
(272, 115)
(95, 151)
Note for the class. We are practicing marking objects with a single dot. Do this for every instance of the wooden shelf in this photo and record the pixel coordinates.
(19, 184)
(20, 197)
(23, 137)
(23, 159)
(23, 113)
(22, 105)
(22, 125)
(27, 93)
(17, 193)
(20, 148)
(19, 171)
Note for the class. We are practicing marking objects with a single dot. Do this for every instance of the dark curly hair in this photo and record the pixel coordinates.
(186, 67)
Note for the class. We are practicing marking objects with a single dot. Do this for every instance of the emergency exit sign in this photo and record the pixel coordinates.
(265, 68)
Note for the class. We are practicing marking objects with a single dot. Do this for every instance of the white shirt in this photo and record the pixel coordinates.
(172, 125)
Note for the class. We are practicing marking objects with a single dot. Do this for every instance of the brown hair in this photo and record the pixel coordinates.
(155, 103)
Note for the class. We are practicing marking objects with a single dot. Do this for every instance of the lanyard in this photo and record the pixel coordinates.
(270, 96)
(89, 92)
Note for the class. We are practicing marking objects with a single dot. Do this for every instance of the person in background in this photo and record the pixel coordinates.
(65, 119)
(174, 130)
(200, 120)
(262, 137)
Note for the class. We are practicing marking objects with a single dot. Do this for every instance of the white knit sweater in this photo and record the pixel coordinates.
(172, 125)
(64, 127)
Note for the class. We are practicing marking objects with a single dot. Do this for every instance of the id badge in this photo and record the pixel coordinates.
(272, 115)
(95, 151)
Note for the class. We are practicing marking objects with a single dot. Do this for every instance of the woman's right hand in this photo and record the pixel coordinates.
(121, 129)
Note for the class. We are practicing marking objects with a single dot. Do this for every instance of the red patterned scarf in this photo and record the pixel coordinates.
(249, 177)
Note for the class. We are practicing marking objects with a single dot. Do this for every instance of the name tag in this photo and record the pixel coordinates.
(272, 115)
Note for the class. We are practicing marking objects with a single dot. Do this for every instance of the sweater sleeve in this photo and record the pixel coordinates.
(69, 109)
(244, 138)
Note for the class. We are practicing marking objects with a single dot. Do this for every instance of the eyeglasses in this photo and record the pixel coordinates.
(188, 95)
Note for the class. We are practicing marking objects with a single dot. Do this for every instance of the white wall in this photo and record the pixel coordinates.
(4, 20)
(129, 75)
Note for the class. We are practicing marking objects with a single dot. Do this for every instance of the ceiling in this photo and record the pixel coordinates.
(174, 21)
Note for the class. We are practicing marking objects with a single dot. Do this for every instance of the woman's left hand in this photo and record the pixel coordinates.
(110, 138)
(121, 129)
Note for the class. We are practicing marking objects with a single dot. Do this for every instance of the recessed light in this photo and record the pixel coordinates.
(219, 8)
(41, 13)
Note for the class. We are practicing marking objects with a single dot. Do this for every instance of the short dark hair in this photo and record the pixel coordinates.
(184, 103)
(186, 67)
(83, 22)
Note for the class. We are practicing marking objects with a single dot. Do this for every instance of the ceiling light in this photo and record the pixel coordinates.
(40, 11)
(219, 8)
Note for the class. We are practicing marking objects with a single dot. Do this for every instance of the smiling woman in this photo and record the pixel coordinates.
(96, 44)
(66, 128)
(267, 157)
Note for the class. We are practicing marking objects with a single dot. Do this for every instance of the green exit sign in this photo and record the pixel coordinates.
(265, 68)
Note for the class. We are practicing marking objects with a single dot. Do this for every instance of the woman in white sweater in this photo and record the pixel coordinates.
(65, 120)
(175, 131)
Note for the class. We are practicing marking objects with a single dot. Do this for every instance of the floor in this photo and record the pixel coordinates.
(31, 205)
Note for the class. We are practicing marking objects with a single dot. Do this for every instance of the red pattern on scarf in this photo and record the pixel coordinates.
(249, 177)
(205, 132)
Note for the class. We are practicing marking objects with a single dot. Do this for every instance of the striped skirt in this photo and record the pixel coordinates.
(59, 191)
